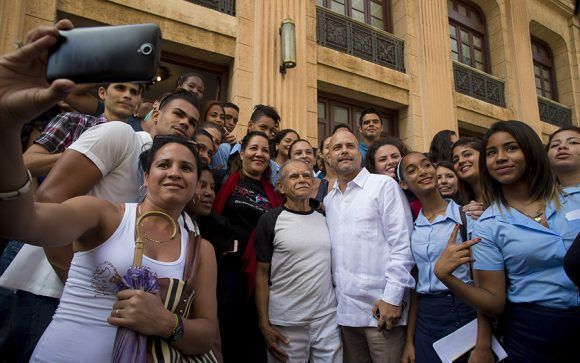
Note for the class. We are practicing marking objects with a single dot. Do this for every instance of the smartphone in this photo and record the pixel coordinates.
(124, 53)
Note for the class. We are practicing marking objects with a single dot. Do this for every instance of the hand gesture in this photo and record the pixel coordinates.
(473, 209)
(24, 92)
(143, 312)
(272, 336)
(387, 314)
(230, 138)
(454, 255)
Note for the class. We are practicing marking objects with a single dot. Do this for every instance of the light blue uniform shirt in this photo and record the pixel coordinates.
(428, 241)
(220, 160)
(531, 254)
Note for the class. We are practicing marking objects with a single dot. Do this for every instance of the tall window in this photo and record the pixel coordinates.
(467, 34)
(544, 70)
(334, 110)
(372, 12)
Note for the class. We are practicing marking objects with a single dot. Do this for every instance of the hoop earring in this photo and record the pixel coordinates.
(195, 200)
(142, 191)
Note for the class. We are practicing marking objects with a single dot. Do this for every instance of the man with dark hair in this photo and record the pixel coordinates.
(294, 293)
(232, 111)
(370, 127)
(193, 82)
(265, 119)
(120, 101)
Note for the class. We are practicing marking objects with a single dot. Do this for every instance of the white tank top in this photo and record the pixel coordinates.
(79, 331)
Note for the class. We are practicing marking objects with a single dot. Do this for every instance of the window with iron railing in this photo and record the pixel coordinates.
(375, 13)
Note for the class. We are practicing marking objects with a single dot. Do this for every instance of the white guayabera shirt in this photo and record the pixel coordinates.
(370, 226)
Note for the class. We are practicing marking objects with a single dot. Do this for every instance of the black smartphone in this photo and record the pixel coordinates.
(124, 53)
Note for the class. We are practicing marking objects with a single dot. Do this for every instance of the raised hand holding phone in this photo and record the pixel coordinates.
(105, 54)
(24, 93)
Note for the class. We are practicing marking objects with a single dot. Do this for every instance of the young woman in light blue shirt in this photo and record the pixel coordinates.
(435, 311)
(525, 232)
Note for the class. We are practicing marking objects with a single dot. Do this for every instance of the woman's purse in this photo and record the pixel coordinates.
(177, 296)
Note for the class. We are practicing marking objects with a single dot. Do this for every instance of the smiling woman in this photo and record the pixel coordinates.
(465, 161)
(564, 155)
(434, 312)
(525, 232)
(245, 196)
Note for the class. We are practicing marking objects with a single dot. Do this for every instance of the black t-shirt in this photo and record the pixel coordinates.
(243, 209)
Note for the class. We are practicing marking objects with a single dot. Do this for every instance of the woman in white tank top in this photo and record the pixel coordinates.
(84, 326)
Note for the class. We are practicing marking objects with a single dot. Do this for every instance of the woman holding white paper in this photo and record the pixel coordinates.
(435, 312)
(525, 232)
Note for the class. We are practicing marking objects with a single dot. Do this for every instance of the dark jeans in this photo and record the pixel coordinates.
(23, 316)
(535, 333)
(439, 315)
(7, 304)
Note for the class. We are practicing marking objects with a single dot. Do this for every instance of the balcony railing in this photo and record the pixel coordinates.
(358, 39)
(478, 84)
(224, 6)
(554, 113)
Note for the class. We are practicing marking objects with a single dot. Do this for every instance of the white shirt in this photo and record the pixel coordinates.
(370, 225)
(114, 148)
(79, 331)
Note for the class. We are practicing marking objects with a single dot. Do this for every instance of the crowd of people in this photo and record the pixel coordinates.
(357, 250)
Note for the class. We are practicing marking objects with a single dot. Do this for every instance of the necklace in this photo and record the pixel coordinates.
(537, 217)
(146, 237)
(435, 213)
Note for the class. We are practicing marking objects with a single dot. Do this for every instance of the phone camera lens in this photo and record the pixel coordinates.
(146, 49)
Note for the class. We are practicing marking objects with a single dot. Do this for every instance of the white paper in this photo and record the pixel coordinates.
(573, 215)
(462, 340)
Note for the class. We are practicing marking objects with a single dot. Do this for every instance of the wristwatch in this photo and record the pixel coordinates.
(177, 332)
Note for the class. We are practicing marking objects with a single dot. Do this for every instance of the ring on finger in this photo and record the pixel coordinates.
(117, 314)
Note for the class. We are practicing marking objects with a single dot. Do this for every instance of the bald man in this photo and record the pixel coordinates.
(370, 225)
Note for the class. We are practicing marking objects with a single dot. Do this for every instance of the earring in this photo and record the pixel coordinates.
(142, 191)
(195, 200)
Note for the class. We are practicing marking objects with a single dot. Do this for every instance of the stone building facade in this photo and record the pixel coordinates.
(426, 65)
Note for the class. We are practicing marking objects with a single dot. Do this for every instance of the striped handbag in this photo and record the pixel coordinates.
(177, 296)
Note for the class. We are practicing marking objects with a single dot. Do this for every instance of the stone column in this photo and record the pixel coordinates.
(525, 102)
(434, 69)
(11, 26)
(293, 93)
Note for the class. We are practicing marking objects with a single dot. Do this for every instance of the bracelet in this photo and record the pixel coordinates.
(6, 196)
(177, 332)
(174, 327)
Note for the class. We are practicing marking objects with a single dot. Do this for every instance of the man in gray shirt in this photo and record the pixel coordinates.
(294, 293)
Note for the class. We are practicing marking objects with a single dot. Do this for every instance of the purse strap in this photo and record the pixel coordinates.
(192, 258)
